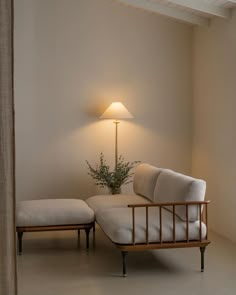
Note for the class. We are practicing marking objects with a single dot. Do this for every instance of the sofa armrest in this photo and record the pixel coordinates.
(173, 206)
(169, 204)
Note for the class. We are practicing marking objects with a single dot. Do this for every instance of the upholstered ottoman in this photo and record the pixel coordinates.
(53, 214)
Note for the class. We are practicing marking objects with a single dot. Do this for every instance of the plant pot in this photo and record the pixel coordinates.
(115, 191)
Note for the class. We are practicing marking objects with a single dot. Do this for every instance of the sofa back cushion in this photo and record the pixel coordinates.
(145, 178)
(175, 187)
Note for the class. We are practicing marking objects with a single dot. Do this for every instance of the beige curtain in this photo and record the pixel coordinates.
(8, 282)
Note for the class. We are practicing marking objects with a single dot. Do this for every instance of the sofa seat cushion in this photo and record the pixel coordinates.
(175, 187)
(52, 212)
(145, 178)
(101, 202)
(117, 225)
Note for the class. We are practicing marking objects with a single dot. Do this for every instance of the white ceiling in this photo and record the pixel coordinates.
(196, 12)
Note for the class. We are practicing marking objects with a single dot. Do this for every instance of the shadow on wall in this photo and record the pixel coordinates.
(95, 110)
(65, 186)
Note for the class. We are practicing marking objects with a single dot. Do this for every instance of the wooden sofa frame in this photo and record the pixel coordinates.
(87, 227)
(201, 243)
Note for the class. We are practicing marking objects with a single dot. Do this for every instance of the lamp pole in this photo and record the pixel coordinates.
(116, 111)
(116, 143)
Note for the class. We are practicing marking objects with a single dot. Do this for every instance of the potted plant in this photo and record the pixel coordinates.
(113, 180)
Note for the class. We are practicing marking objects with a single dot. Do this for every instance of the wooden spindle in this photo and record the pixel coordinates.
(160, 216)
(147, 225)
(133, 221)
(206, 222)
(200, 222)
(174, 223)
(187, 230)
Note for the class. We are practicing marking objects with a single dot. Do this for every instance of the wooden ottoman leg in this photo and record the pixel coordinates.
(94, 238)
(87, 230)
(78, 237)
(20, 235)
(94, 230)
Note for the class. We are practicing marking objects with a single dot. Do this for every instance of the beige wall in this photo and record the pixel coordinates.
(72, 59)
(215, 120)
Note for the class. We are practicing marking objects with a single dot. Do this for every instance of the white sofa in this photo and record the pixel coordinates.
(165, 211)
(144, 183)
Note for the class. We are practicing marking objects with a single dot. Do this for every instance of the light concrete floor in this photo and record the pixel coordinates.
(52, 264)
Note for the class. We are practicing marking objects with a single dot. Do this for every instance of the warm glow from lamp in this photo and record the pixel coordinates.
(116, 111)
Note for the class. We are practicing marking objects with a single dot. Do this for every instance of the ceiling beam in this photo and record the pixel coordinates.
(203, 6)
(171, 12)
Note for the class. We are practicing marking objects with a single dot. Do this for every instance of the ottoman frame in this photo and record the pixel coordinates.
(87, 227)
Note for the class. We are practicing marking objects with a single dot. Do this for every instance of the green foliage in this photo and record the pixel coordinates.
(112, 179)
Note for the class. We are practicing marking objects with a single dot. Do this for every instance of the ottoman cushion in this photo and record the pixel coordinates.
(50, 212)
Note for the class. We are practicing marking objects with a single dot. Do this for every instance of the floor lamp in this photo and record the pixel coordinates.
(116, 111)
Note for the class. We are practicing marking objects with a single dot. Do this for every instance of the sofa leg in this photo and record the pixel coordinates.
(124, 254)
(87, 230)
(20, 235)
(202, 249)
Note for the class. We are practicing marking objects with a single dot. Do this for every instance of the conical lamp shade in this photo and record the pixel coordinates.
(116, 111)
